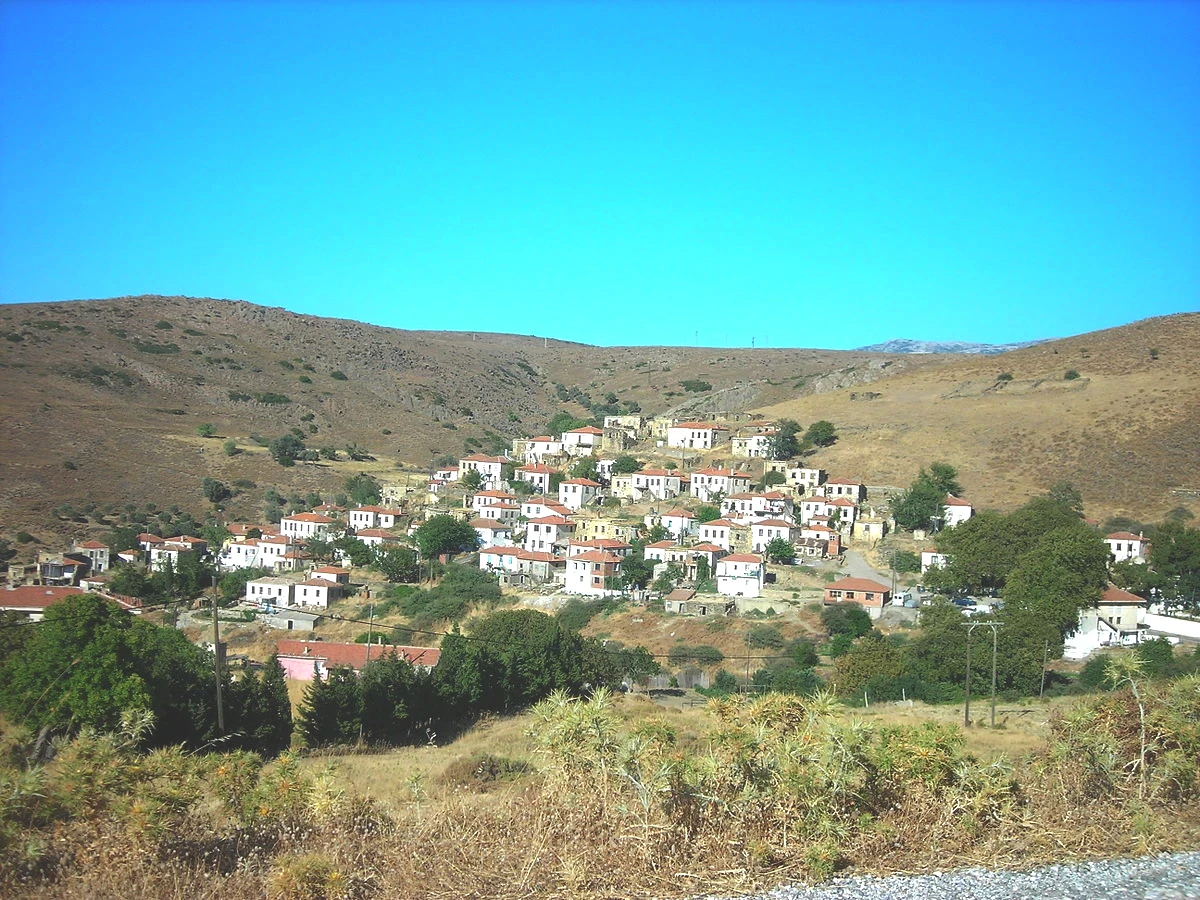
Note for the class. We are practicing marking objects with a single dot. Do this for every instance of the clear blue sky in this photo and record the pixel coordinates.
(788, 173)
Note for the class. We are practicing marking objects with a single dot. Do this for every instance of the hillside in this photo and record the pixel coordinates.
(1125, 431)
(102, 399)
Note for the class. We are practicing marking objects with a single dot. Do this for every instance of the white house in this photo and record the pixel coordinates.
(377, 537)
(492, 532)
(488, 467)
(660, 484)
(269, 592)
(746, 507)
(582, 441)
(499, 559)
(97, 553)
(740, 575)
(588, 573)
(576, 493)
(303, 526)
(240, 555)
(716, 532)
(536, 474)
(315, 592)
(930, 559)
(1117, 620)
(842, 487)
(767, 530)
(754, 446)
(537, 449)
(706, 483)
(805, 480)
(609, 545)
(696, 435)
(679, 522)
(373, 517)
(543, 533)
(1125, 546)
(956, 511)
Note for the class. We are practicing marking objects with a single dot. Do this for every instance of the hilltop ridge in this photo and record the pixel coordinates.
(103, 398)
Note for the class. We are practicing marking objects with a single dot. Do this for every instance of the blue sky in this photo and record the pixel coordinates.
(782, 174)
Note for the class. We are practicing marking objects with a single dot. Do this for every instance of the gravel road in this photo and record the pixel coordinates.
(1174, 876)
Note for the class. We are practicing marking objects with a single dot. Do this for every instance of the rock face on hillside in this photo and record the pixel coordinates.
(905, 345)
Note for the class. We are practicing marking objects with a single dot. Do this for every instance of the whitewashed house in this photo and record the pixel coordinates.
(740, 575)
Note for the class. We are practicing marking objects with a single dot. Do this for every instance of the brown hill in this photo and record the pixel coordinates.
(102, 398)
(1115, 412)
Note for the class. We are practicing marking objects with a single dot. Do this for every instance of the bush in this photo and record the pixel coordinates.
(1071, 375)
(703, 654)
(765, 636)
(338, 375)
(1004, 376)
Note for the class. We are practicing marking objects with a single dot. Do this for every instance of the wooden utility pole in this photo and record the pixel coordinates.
(971, 626)
(217, 659)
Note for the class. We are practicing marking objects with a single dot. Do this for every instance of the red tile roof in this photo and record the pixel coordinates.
(858, 584)
(355, 655)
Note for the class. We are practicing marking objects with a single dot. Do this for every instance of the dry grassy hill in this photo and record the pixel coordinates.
(101, 400)
(1125, 431)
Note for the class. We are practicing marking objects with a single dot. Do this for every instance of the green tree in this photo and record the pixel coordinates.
(845, 618)
(906, 562)
(471, 479)
(780, 550)
(784, 443)
(772, 478)
(636, 570)
(512, 659)
(352, 549)
(230, 447)
(398, 564)
(216, 492)
(584, 467)
(626, 465)
(286, 449)
(259, 712)
(89, 661)
(391, 700)
(871, 657)
(925, 498)
(206, 430)
(445, 534)
(820, 434)
(332, 709)
(362, 489)
(706, 512)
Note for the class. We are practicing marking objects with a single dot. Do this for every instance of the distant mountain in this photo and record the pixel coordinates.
(904, 345)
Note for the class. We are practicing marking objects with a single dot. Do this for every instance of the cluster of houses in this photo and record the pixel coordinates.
(538, 526)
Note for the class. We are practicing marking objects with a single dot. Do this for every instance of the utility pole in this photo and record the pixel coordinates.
(967, 705)
(971, 626)
(370, 638)
(217, 654)
(1045, 659)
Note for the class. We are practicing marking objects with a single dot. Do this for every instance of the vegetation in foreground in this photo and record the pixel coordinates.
(772, 789)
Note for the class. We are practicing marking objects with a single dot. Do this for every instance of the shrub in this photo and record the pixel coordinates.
(338, 375)
(1004, 376)
(1071, 375)
(696, 386)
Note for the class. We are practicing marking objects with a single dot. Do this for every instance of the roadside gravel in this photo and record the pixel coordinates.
(1172, 876)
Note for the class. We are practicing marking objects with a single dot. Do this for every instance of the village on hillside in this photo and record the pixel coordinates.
(698, 516)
